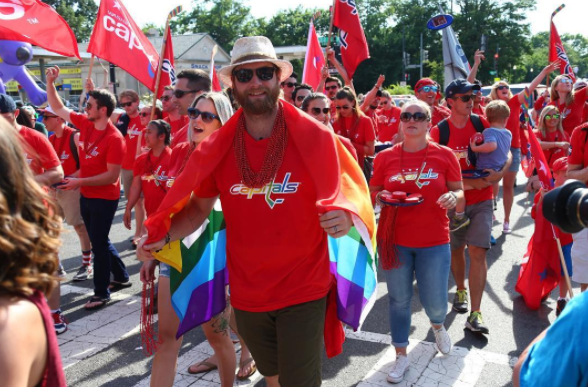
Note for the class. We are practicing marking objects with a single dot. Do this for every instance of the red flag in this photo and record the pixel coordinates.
(117, 39)
(216, 86)
(37, 23)
(540, 270)
(354, 47)
(540, 162)
(168, 72)
(314, 60)
(558, 52)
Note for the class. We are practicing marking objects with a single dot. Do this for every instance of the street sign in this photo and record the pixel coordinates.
(439, 22)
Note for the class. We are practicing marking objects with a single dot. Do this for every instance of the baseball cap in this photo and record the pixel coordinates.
(459, 86)
(47, 110)
(560, 164)
(7, 104)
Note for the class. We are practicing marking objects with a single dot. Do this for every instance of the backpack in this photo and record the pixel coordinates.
(444, 134)
(74, 148)
(123, 123)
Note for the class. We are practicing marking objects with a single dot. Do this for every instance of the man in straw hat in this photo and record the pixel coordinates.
(278, 175)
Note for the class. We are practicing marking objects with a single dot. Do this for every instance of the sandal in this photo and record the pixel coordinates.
(115, 286)
(208, 367)
(101, 300)
(242, 365)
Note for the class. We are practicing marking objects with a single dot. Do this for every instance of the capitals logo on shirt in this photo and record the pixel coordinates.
(93, 153)
(413, 175)
(461, 152)
(286, 187)
(132, 132)
(159, 178)
(64, 156)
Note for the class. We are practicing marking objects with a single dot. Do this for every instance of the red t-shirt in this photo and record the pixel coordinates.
(177, 125)
(62, 146)
(180, 137)
(97, 149)
(277, 252)
(430, 219)
(554, 153)
(359, 131)
(388, 129)
(480, 110)
(39, 153)
(572, 115)
(579, 144)
(373, 114)
(514, 123)
(178, 157)
(133, 133)
(154, 172)
(439, 114)
(459, 140)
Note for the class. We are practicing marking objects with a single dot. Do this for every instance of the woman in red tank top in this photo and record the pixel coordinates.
(29, 236)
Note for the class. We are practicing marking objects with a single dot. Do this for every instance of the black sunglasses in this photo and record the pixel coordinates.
(289, 84)
(207, 117)
(345, 107)
(47, 117)
(246, 75)
(465, 98)
(317, 111)
(300, 97)
(144, 114)
(165, 98)
(181, 93)
(126, 104)
(502, 87)
(418, 117)
(335, 87)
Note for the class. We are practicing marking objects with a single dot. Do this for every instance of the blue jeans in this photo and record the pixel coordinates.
(431, 266)
(98, 215)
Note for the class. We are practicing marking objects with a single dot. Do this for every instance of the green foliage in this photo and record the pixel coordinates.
(150, 26)
(396, 89)
(290, 27)
(79, 14)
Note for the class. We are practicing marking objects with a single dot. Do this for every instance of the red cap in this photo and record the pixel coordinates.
(427, 82)
(560, 164)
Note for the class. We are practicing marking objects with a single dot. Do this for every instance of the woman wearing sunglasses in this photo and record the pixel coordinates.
(416, 166)
(145, 116)
(318, 106)
(353, 124)
(554, 141)
(207, 114)
(501, 91)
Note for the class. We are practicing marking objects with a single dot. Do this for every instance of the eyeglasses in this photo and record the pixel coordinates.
(373, 107)
(464, 98)
(165, 98)
(428, 89)
(88, 106)
(552, 117)
(126, 104)
(300, 97)
(502, 87)
(317, 111)
(246, 75)
(418, 117)
(143, 114)
(46, 117)
(343, 107)
(181, 93)
(335, 87)
(289, 84)
(207, 117)
(565, 80)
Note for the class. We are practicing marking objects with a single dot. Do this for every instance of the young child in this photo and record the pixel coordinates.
(491, 154)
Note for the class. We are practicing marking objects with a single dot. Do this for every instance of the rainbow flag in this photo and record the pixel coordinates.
(200, 259)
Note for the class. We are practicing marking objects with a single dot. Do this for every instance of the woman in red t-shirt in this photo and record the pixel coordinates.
(569, 102)
(501, 91)
(554, 141)
(29, 235)
(414, 241)
(353, 124)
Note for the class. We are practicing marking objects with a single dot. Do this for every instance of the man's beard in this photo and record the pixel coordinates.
(261, 106)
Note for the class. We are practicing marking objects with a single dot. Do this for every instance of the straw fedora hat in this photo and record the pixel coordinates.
(253, 49)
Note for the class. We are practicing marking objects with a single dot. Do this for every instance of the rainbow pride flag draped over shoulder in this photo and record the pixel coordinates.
(198, 290)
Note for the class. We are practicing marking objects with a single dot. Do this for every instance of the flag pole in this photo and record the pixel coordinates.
(551, 32)
(212, 55)
(91, 66)
(330, 32)
(173, 13)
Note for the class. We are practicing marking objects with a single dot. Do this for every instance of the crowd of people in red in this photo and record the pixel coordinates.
(439, 157)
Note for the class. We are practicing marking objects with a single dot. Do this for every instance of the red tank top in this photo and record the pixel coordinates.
(53, 375)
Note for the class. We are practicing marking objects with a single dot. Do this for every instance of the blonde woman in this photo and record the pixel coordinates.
(569, 102)
(554, 141)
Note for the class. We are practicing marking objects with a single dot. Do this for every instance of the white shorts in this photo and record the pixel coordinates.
(580, 257)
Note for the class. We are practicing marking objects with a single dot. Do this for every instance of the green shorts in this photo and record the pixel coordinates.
(287, 342)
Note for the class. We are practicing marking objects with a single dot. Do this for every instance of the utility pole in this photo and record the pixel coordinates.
(403, 58)
(496, 60)
(421, 57)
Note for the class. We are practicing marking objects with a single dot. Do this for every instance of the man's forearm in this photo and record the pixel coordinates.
(578, 174)
(188, 220)
(53, 98)
(105, 178)
(48, 178)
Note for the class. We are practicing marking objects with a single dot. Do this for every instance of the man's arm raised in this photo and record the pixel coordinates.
(57, 106)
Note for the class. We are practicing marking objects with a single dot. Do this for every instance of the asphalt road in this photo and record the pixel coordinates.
(103, 348)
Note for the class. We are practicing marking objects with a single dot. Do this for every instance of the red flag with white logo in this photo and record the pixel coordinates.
(37, 23)
(354, 47)
(117, 39)
(557, 52)
(168, 72)
(314, 60)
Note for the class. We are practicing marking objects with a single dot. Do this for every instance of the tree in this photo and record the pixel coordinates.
(224, 20)
(79, 14)
(152, 26)
(290, 27)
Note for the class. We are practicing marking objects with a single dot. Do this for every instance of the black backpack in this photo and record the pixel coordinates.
(444, 134)
(123, 123)
(74, 148)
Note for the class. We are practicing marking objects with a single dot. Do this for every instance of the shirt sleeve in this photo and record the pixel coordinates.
(80, 121)
(139, 166)
(116, 150)
(490, 135)
(434, 133)
(47, 154)
(377, 179)
(370, 131)
(208, 188)
(581, 94)
(453, 168)
(539, 103)
(577, 156)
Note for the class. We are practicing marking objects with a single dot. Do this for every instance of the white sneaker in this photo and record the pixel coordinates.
(443, 340)
(398, 370)
(506, 228)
